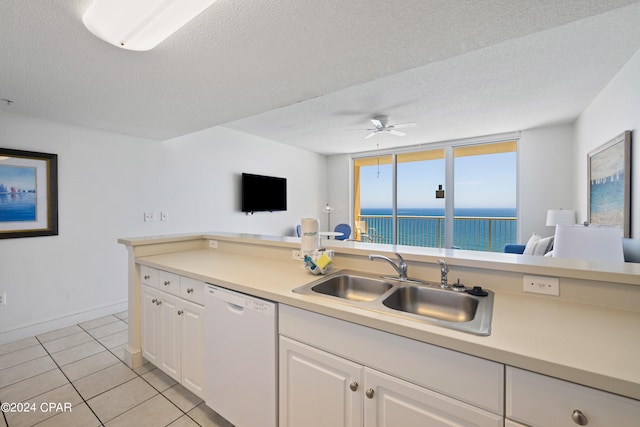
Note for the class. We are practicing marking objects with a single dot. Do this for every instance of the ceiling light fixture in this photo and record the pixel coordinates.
(141, 24)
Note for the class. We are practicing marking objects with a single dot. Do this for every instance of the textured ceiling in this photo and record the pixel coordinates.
(307, 73)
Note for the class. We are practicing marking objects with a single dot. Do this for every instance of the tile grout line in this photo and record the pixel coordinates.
(85, 401)
(142, 378)
(71, 382)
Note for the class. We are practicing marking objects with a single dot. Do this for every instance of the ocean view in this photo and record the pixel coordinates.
(483, 229)
(473, 212)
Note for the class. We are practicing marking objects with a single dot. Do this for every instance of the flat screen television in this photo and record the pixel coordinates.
(262, 193)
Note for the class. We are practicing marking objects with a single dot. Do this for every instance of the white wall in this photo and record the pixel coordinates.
(615, 109)
(106, 181)
(340, 187)
(545, 177)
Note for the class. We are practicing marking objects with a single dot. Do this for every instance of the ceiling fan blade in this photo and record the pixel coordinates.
(370, 135)
(396, 133)
(404, 125)
(377, 123)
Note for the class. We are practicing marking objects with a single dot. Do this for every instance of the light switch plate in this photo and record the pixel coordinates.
(541, 285)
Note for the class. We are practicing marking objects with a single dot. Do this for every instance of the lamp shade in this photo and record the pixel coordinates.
(560, 217)
(141, 24)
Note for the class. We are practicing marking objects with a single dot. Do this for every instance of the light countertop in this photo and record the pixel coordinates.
(588, 344)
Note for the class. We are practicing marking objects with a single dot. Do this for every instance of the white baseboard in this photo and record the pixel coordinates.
(42, 326)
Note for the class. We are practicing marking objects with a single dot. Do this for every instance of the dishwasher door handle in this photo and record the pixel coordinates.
(235, 308)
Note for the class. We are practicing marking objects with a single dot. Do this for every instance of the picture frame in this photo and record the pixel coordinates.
(609, 183)
(28, 194)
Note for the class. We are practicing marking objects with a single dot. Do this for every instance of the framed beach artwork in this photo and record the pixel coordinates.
(28, 194)
(609, 192)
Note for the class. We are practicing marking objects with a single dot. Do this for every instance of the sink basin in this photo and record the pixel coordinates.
(354, 288)
(439, 304)
(427, 303)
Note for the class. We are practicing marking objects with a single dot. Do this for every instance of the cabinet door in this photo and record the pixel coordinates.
(193, 347)
(150, 325)
(391, 402)
(318, 389)
(170, 331)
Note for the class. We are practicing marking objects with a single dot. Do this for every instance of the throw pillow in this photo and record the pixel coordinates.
(531, 243)
(542, 246)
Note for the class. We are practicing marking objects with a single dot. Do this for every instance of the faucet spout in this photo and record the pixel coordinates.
(401, 267)
(444, 270)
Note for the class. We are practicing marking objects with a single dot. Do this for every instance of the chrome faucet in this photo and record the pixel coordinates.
(401, 267)
(444, 269)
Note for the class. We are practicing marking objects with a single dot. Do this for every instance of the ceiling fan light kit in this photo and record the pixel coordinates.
(142, 24)
(380, 124)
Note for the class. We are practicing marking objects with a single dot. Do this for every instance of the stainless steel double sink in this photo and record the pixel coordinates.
(423, 302)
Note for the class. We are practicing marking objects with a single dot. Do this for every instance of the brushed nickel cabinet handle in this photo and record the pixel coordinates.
(369, 393)
(180, 312)
(190, 290)
(353, 386)
(579, 418)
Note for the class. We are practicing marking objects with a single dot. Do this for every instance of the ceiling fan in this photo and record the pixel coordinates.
(381, 124)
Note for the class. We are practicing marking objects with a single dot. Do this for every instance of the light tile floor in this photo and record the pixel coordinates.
(81, 367)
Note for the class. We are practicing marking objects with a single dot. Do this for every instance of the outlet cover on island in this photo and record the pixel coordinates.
(164, 216)
(541, 285)
(3, 298)
(149, 216)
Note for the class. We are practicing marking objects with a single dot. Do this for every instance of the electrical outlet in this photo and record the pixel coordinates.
(295, 254)
(213, 244)
(149, 216)
(164, 216)
(3, 298)
(541, 285)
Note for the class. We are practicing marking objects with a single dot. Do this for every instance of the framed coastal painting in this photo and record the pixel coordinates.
(28, 194)
(609, 187)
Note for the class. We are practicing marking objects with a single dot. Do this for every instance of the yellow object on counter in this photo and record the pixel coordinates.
(323, 261)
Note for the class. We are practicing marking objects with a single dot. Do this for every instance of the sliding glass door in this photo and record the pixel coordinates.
(456, 196)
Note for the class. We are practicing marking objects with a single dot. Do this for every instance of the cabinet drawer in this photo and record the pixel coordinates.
(149, 276)
(169, 282)
(541, 401)
(192, 290)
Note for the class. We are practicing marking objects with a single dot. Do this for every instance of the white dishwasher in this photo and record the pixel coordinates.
(241, 357)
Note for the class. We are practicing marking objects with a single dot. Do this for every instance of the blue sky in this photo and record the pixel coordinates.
(487, 181)
(20, 177)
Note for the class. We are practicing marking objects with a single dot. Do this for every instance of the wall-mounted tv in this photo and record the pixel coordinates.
(263, 193)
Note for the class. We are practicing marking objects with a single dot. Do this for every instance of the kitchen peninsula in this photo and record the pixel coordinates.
(583, 342)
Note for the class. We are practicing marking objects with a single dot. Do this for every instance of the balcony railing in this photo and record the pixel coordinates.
(472, 233)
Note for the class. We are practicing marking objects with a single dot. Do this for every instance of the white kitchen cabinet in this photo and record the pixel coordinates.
(170, 335)
(391, 402)
(509, 423)
(173, 329)
(149, 276)
(192, 337)
(169, 282)
(318, 388)
(541, 401)
(150, 325)
(465, 378)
